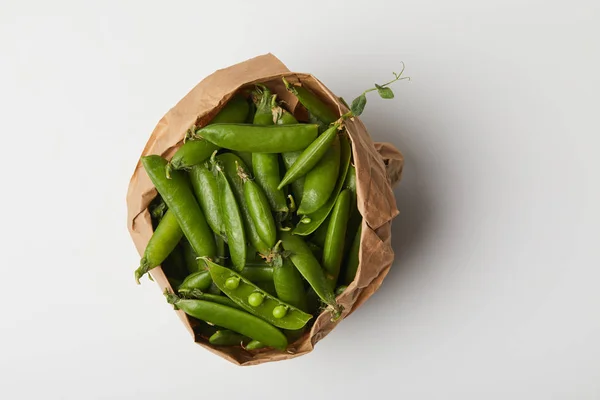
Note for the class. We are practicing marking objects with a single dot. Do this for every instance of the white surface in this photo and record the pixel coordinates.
(494, 293)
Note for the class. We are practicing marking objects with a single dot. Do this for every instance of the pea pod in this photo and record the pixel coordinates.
(234, 225)
(176, 192)
(266, 172)
(258, 206)
(311, 156)
(352, 260)
(255, 345)
(320, 235)
(311, 222)
(221, 249)
(231, 163)
(255, 300)
(320, 181)
(226, 337)
(312, 103)
(194, 152)
(213, 298)
(161, 244)
(283, 117)
(333, 250)
(355, 218)
(191, 153)
(260, 139)
(262, 99)
(262, 273)
(231, 318)
(309, 267)
(200, 280)
(289, 285)
(206, 190)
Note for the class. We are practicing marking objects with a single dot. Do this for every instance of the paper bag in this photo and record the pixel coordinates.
(378, 168)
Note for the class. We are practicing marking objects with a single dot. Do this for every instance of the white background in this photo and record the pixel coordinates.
(495, 290)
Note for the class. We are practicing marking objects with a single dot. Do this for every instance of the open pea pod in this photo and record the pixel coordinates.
(255, 300)
(311, 222)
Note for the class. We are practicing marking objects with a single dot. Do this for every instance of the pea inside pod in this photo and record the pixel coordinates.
(255, 300)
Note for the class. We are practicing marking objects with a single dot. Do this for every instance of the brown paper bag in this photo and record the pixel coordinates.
(378, 168)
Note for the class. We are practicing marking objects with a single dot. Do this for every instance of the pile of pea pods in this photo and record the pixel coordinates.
(256, 224)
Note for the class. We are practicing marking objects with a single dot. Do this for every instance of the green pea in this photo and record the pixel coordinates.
(256, 299)
(352, 260)
(280, 312)
(226, 337)
(232, 283)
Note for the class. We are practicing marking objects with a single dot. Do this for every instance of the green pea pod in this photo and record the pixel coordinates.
(255, 345)
(355, 219)
(200, 280)
(231, 318)
(306, 263)
(283, 117)
(260, 139)
(311, 156)
(176, 192)
(231, 163)
(213, 298)
(191, 153)
(311, 222)
(227, 338)
(320, 181)
(255, 300)
(312, 103)
(205, 188)
(266, 172)
(258, 206)
(352, 260)
(263, 273)
(161, 244)
(333, 250)
(189, 256)
(298, 185)
(234, 224)
(194, 152)
(262, 99)
(289, 285)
